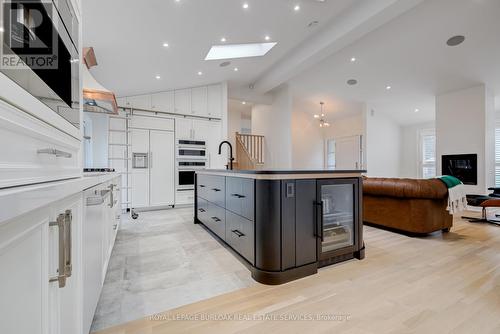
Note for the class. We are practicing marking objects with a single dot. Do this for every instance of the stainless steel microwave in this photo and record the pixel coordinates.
(39, 51)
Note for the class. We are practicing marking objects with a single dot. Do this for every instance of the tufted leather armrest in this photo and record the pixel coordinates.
(405, 188)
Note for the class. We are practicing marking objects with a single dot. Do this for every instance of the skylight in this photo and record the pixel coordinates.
(233, 51)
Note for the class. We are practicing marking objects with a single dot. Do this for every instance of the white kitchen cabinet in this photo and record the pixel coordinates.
(184, 128)
(153, 163)
(162, 173)
(31, 253)
(214, 101)
(139, 102)
(163, 101)
(182, 100)
(199, 100)
(211, 133)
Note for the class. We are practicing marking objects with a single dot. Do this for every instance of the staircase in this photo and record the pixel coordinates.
(249, 151)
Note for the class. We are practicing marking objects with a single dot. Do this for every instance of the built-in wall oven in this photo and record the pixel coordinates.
(186, 170)
(39, 44)
(191, 150)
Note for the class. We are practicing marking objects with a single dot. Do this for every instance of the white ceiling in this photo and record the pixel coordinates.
(127, 36)
(409, 53)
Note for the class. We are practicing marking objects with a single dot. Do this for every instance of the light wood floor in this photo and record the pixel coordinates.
(446, 283)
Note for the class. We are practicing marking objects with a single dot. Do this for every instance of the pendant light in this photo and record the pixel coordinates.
(322, 121)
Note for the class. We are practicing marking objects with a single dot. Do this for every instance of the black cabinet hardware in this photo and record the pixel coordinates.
(237, 195)
(202, 186)
(215, 189)
(238, 233)
(216, 219)
(319, 205)
(201, 210)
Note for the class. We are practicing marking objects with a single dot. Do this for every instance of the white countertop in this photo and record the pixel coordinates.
(17, 201)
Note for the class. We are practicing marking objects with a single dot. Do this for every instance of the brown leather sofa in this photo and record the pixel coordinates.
(408, 205)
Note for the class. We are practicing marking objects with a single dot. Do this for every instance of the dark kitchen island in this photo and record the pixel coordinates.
(286, 224)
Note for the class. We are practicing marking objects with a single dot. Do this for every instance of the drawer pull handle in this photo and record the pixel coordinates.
(53, 151)
(238, 195)
(216, 219)
(202, 186)
(215, 189)
(238, 233)
(201, 210)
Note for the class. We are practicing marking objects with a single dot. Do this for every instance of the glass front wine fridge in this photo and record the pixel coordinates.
(338, 224)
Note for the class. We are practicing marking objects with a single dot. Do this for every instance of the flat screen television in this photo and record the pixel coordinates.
(461, 166)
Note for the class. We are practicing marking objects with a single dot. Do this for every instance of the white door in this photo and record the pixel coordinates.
(163, 101)
(348, 152)
(211, 133)
(162, 178)
(183, 128)
(214, 108)
(182, 100)
(199, 101)
(140, 176)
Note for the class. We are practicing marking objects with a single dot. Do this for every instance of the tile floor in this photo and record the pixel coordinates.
(162, 261)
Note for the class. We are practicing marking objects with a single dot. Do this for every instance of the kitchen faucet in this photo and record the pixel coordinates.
(231, 159)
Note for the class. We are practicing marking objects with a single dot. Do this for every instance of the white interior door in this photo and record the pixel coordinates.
(140, 176)
(162, 168)
(348, 152)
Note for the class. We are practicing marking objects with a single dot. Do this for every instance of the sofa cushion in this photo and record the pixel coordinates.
(405, 188)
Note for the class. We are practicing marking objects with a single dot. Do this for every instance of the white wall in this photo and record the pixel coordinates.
(274, 123)
(382, 142)
(465, 125)
(307, 141)
(410, 150)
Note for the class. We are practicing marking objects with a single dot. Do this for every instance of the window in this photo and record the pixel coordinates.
(497, 155)
(428, 154)
(330, 154)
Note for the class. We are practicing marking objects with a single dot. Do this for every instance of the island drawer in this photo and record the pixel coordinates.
(213, 189)
(215, 220)
(202, 208)
(240, 196)
(240, 235)
(202, 185)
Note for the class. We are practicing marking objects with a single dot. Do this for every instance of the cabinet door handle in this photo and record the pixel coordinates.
(68, 219)
(238, 195)
(215, 189)
(202, 186)
(238, 233)
(201, 210)
(61, 271)
(319, 229)
(216, 219)
(151, 160)
(56, 152)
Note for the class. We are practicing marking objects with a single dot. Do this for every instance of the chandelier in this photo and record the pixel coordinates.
(322, 121)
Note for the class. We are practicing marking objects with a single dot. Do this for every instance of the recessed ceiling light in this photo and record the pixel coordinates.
(200, 73)
(267, 38)
(353, 59)
(165, 45)
(232, 51)
(243, 102)
(158, 77)
(223, 39)
(245, 5)
(417, 110)
(388, 87)
(352, 82)
(296, 8)
(455, 40)
(236, 69)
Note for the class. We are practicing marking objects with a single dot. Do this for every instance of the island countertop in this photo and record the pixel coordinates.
(284, 174)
